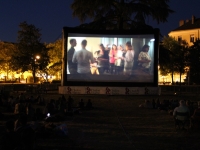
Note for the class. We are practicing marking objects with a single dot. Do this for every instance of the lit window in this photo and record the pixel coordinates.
(179, 38)
(192, 38)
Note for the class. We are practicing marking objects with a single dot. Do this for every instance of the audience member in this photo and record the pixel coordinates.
(190, 106)
(31, 99)
(181, 114)
(22, 97)
(41, 101)
(51, 107)
(147, 104)
(158, 103)
(25, 133)
(11, 100)
(81, 104)
(89, 104)
(195, 118)
(30, 110)
(19, 108)
(70, 103)
(63, 98)
(38, 114)
(10, 140)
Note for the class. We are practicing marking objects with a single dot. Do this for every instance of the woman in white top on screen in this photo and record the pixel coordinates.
(128, 59)
(144, 60)
(119, 60)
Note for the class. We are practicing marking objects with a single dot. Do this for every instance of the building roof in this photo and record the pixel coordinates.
(188, 25)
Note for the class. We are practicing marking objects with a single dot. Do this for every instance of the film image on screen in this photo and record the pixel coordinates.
(111, 58)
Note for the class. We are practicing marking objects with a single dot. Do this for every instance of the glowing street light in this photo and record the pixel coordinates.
(37, 57)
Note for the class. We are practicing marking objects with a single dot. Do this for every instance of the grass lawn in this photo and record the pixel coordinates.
(116, 122)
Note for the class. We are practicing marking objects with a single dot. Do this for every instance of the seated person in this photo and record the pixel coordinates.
(94, 68)
(190, 106)
(181, 114)
(10, 139)
(89, 104)
(195, 118)
(70, 101)
(147, 104)
(25, 132)
(81, 104)
(153, 103)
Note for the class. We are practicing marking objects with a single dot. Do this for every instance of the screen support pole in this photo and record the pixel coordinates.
(64, 59)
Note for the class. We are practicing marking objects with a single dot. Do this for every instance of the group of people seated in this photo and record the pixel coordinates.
(29, 121)
(19, 135)
(110, 60)
(186, 114)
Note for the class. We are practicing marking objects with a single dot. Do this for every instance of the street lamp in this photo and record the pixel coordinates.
(37, 57)
(187, 69)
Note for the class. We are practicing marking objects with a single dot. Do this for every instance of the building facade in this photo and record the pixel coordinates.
(188, 30)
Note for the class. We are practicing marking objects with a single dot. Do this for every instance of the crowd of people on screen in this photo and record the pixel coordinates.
(107, 60)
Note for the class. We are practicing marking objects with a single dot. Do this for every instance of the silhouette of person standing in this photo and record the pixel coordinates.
(71, 66)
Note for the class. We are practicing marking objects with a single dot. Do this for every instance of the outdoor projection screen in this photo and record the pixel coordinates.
(102, 58)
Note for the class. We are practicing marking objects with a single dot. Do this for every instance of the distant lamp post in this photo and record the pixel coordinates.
(37, 57)
(187, 69)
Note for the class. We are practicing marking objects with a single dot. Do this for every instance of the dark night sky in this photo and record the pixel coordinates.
(51, 15)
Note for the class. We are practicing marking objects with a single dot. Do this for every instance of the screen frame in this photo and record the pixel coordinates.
(70, 30)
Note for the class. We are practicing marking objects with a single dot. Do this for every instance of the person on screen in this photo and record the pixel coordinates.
(83, 58)
(144, 60)
(128, 59)
(107, 51)
(112, 57)
(119, 60)
(72, 67)
(94, 68)
(102, 59)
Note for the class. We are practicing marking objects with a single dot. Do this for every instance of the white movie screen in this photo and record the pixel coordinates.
(110, 58)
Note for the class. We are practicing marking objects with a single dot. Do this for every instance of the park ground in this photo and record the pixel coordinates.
(117, 122)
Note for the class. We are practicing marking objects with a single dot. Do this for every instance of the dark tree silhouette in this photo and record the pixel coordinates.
(194, 59)
(177, 54)
(120, 14)
(28, 47)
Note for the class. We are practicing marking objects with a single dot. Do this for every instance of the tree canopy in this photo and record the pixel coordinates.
(6, 50)
(28, 48)
(120, 14)
(55, 58)
(194, 58)
(178, 56)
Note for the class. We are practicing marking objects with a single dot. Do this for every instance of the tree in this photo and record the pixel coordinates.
(164, 59)
(172, 45)
(6, 50)
(194, 58)
(178, 59)
(181, 59)
(120, 14)
(30, 54)
(55, 59)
